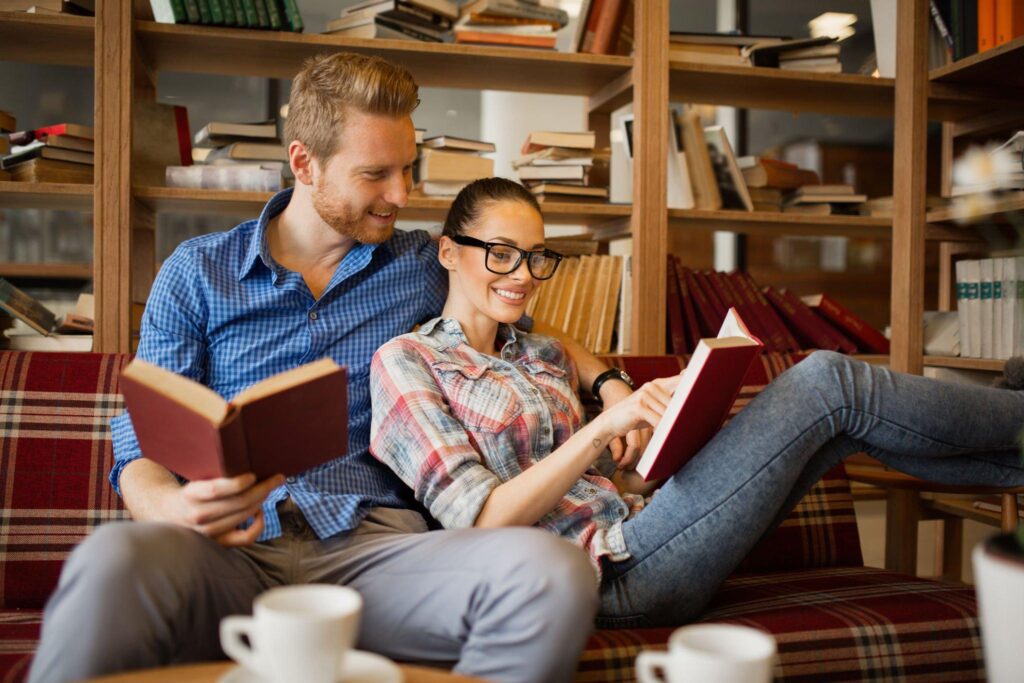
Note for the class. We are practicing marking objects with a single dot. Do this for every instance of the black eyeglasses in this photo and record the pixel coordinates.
(503, 259)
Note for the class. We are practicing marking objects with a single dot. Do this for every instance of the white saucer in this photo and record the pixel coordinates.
(360, 667)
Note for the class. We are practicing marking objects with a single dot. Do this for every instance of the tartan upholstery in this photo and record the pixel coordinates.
(833, 619)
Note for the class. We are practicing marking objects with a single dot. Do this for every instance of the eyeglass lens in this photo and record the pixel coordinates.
(505, 259)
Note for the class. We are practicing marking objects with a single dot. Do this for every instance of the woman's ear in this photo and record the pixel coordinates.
(446, 252)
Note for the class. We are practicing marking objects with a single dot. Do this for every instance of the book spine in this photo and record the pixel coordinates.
(587, 39)
(205, 15)
(261, 13)
(274, 14)
(867, 337)
(216, 12)
(293, 16)
(704, 280)
(750, 311)
(802, 322)
(970, 14)
(676, 329)
(228, 8)
(689, 312)
(402, 27)
(767, 312)
(986, 25)
(956, 27)
(439, 21)
(624, 42)
(709, 322)
(192, 10)
(940, 24)
(1009, 20)
(608, 26)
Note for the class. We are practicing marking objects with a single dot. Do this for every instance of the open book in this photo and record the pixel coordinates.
(285, 424)
(701, 402)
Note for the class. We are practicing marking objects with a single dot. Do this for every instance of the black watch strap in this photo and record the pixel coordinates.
(613, 373)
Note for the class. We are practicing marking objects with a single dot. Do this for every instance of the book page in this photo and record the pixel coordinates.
(195, 396)
(286, 380)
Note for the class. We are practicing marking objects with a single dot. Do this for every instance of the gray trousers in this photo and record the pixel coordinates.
(505, 605)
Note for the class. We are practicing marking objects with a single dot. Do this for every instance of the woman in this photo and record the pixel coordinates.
(482, 421)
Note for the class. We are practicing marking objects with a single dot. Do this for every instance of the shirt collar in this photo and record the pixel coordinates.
(449, 332)
(258, 249)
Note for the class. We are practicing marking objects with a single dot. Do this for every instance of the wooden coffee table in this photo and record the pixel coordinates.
(211, 673)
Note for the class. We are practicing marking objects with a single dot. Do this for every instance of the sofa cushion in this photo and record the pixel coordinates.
(840, 624)
(19, 635)
(55, 454)
(822, 530)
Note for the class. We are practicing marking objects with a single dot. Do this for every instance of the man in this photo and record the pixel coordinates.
(320, 273)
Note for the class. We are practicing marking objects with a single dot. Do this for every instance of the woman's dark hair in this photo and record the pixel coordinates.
(471, 200)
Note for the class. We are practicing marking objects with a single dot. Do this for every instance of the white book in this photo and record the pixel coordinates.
(620, 170)
(986, 322)
(680, 191)
(1014, 271)
(999, 347)
(970, 335)
(941, 333)
(962, 307)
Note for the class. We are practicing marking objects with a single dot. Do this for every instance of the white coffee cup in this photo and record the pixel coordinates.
(296, 633)
(711, 653)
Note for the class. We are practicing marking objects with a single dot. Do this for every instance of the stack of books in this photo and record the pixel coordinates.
(61, 153)
(713, 48)
(802, 54)
(277, 15)
(563, 167)
(511, 23)
(85, 8)
(234, 156)
(29, 325)
(990, 307)
(769, 179)
(823, 200)
(426, 20)
(447, 164)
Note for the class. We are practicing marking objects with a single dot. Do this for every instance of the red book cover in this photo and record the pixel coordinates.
(609, 23)
(705, 312)
(703, 281)
(802, 321)
(587, 39)
(868, 338)
(786, 339)
(73, 129)
(184, 136)
(707, 389)
(689, 312)
(751, 312)
(285, 424)
(676, 327)
(826, 329)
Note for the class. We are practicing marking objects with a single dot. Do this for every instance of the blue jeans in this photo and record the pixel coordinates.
(709, 515)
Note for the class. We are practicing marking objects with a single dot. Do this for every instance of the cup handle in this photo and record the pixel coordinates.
(646, 662)
(231, 631)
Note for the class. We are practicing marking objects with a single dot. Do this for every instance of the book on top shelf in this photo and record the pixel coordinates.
(767, 172)
(453, 166)
(250, 151)
(285, 424)
(219, 133)
(768, 53)
(707, 388)
(517, 9)
(545, 42)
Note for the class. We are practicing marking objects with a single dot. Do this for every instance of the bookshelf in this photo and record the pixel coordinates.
(59, 196)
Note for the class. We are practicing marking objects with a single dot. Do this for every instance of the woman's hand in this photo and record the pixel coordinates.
(641, 410)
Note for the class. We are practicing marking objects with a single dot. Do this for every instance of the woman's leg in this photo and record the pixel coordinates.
(707, 517)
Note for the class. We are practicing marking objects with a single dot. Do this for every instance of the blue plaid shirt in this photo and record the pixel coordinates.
(224, 313)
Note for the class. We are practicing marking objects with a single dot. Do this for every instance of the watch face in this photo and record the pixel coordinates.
(627, 379)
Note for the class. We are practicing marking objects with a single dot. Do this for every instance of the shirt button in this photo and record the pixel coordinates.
(290, 480)
(313, 315)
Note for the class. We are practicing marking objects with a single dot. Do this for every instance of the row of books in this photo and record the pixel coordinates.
(559, 166)
(972, 26)
(234, 156)
(59, 153)
(802, 54)
(278, 15)
(516, 23)
(582, 298)
(80, 7)
(698, 301)
(605, 27)
(990, 307)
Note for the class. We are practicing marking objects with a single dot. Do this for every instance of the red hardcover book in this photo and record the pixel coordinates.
(676, 326)
(285, 424)
(867, 338)
(787, 340)
(689, 311)
(590, 31)
(752, 313)
(706, 314)
(72, 129)
(609, 24)
(806, 329)
(721, 308)
(701, 402)
(825, 328)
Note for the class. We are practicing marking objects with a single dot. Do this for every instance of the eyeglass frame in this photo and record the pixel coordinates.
(468, 241)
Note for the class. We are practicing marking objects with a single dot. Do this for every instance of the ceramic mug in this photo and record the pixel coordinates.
(711, 653)
(296, 633)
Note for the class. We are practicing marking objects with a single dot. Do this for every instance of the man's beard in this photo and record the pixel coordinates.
(348, 223)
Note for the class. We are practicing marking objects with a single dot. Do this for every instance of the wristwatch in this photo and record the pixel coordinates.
(613, 373)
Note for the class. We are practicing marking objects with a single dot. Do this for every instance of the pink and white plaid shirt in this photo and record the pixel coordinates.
(454, 423)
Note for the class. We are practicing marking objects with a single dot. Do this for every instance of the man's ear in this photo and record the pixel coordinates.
(446, 251)
(302, 163)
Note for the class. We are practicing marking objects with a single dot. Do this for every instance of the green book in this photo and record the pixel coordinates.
(261, 14)
(192, 10)
(205, 15)
(292, 16)
(228, 8)
(216, 12)
(274, 13)
(249, 9)
(169, 11)
(240, 19)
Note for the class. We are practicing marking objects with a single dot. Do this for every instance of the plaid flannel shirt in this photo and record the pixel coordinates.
(454, 423)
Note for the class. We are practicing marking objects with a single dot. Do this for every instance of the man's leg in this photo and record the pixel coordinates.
(507, 605)
(709, 515)
(136, 595)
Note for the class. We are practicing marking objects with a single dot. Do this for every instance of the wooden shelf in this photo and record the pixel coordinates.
(795, 91)
(999, 205)
(47, 271)
(232, 203)
(963, 508)
(46, 38)
(55, 196)
(275, 54)
(987, 364)
(1000, 66)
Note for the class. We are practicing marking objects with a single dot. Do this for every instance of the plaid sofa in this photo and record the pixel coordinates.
(833, 618)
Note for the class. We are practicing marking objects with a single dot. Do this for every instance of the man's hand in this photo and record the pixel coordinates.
(625, 451)
(213, 507)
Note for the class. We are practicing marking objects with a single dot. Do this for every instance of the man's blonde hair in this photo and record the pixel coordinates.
(329, 84)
